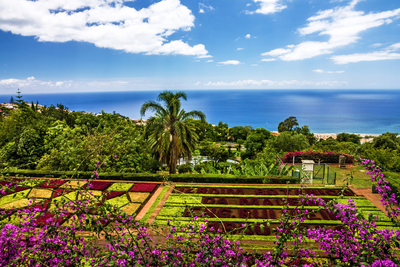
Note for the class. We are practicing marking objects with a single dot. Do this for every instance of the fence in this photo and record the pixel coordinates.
(321, 174)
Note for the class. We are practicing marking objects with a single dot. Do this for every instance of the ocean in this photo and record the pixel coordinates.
(324, 111)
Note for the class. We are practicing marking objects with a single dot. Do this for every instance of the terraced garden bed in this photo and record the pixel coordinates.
(228, 208)
(130, 197)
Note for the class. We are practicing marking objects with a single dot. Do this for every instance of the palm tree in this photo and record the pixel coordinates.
(171, 131)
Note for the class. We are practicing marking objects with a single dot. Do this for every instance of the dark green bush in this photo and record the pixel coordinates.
(184, 168)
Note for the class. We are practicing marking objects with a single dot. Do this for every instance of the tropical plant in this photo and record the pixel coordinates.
(171, 131)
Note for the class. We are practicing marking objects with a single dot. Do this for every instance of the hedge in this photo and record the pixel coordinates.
(325, 157)
(185, 178)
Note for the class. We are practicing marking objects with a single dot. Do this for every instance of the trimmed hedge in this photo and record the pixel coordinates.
(325, 157)
(184, 178)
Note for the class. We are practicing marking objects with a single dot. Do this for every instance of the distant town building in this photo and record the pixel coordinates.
(325, 136)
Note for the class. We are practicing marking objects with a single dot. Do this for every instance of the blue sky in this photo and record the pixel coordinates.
(50, 46)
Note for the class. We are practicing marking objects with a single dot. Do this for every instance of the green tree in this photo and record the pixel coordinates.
(289, 142)
(346, 137)
(288, 125)
(307, 133)
(239, 132)
(255, 142)
(387, 140)
(171, 130)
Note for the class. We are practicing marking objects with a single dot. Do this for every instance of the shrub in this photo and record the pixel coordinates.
(184, 168)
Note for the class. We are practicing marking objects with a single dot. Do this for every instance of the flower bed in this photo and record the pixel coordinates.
(229, 207)
(47, 193)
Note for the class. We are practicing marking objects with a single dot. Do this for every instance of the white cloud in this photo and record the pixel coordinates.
(241, 83)
(376, 45)
(343, 25)
(239, 48)
(268, 7)
(204, 56)
(328, 71)
(385, 54)
(277, 52)
(105, 23)
(393, 47)
(204, 7)
(374, 56)
(248, 36)
(268, 59)
(31, 83)
(318, 70)
(198, 83)
(230, 62)
(210, 60)
(254, 65)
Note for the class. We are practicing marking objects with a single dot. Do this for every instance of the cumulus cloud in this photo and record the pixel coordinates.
(268, 7)
(248, 36)
(275, 83)
(385, 54)
(105, 23)
(210, 60)
(343, 25)
(230, 62)
(239, 48)
(198, 83)
(328, 71)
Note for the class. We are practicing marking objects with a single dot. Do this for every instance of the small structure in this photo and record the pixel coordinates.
(342, 161)
(308, 169)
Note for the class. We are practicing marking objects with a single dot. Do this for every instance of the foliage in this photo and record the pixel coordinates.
(346, 137)
(333, 145)
(387, 140)
(288, 125)
(171, 131)
(383, 156)
(239, 132)
(215, 152)
(255, 143)
(289, 142)
(184, 168)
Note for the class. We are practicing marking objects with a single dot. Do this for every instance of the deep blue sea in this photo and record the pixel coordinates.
(324, 111)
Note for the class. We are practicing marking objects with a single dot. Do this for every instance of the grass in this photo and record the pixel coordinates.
(360, 178)
(155, 204)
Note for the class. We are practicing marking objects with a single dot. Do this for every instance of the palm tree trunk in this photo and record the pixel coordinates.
(174, 159)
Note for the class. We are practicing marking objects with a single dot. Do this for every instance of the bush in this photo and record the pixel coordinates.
(184, 168)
